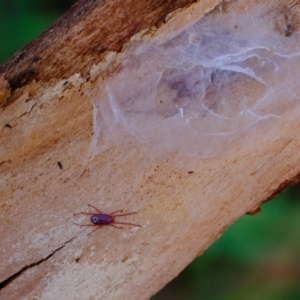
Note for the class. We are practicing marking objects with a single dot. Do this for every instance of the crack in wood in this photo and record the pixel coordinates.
(11, 278)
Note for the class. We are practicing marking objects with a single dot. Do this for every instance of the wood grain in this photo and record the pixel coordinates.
(183, 203)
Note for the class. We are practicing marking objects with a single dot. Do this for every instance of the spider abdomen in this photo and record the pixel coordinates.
(101, 219)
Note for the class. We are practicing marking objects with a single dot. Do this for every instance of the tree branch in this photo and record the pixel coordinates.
(184, 112)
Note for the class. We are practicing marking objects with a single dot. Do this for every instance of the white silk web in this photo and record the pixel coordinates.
(198, 91)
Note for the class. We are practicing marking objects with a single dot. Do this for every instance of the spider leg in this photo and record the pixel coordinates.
(116, 212)
(95, 208)
(97, 227)
(126, 214)
(115, 226)
(295, 4)
(125, 223)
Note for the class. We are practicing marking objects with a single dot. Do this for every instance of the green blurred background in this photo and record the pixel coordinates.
(257, 258)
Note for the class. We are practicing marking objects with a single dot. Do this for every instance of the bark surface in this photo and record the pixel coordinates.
(48, 171)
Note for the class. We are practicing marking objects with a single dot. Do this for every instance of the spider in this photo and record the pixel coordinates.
(100, 218)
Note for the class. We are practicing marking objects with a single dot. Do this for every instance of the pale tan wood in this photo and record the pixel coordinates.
(184, 203)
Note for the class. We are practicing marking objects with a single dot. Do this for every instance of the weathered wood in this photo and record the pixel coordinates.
(81, 37)
(49, 169)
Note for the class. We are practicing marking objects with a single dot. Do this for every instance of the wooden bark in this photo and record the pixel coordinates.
(184, 203)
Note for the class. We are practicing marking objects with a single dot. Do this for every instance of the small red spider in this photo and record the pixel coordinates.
(100, 218)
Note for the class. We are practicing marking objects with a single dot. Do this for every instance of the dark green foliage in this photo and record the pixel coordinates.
(23, 20)
(257, 258)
